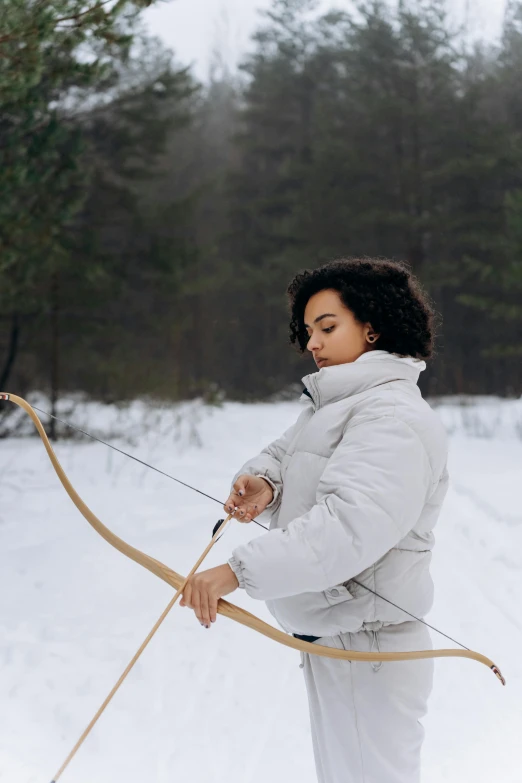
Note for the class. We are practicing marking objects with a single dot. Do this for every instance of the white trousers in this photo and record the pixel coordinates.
(365, 717)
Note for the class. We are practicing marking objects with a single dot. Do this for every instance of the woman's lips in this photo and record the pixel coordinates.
(320, 362)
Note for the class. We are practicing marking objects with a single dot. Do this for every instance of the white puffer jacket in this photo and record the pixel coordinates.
(360, 479)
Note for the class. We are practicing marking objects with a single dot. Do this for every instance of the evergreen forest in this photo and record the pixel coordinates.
(150, 224)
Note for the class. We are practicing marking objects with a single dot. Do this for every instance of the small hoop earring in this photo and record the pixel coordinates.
(371, 339)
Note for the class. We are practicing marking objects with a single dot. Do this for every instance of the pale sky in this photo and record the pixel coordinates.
(192, 28)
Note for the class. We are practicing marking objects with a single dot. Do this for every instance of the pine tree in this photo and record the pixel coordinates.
(493, 260)
(60, 61)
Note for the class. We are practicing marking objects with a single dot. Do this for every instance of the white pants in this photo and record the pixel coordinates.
(365, 717)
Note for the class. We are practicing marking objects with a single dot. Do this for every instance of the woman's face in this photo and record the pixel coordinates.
(336, 337)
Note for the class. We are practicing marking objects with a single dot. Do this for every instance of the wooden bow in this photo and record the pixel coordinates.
(224, 607)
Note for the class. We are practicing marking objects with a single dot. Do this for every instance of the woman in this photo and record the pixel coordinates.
(355, 487)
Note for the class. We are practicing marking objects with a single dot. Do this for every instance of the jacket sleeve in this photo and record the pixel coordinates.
(268, 462)
(369, 497)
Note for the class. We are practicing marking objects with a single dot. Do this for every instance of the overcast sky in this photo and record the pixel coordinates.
(192, 28)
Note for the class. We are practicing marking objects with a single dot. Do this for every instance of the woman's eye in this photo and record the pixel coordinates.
(328, 329)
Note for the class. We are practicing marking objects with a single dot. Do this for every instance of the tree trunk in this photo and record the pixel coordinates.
(55, 354)
(12, 352)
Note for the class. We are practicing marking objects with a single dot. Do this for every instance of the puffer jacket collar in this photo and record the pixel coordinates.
(374, 368)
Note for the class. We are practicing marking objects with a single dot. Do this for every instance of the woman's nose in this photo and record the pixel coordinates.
(314, 343)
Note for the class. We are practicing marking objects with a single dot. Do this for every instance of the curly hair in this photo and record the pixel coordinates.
(381, 292)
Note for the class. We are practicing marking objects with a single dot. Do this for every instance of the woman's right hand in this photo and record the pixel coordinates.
(251, 495)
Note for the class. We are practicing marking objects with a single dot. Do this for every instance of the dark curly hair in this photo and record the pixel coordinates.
(381, 292)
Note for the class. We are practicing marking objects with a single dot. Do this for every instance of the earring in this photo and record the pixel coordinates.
(371, 338)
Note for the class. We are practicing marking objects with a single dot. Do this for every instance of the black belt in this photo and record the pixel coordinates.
(306, 638)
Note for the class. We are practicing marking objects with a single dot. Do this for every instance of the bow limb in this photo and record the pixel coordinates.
(225, 608)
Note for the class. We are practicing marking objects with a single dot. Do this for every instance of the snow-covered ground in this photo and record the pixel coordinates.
(226, 704)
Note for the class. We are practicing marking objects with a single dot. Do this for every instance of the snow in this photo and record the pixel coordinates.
(225, 704)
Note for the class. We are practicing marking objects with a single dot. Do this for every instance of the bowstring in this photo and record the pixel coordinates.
(136, 459)
(210, 497)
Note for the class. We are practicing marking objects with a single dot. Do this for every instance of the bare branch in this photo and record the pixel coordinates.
(74, 17)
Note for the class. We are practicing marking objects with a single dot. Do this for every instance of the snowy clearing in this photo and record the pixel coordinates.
(225, 704)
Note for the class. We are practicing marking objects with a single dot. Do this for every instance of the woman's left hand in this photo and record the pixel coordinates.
(203, 591)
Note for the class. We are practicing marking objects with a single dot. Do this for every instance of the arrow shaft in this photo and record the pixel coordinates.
(136, 656)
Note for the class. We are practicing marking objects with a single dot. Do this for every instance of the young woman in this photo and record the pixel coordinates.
(355, 487)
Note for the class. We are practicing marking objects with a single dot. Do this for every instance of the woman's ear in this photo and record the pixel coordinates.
(371, 336)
